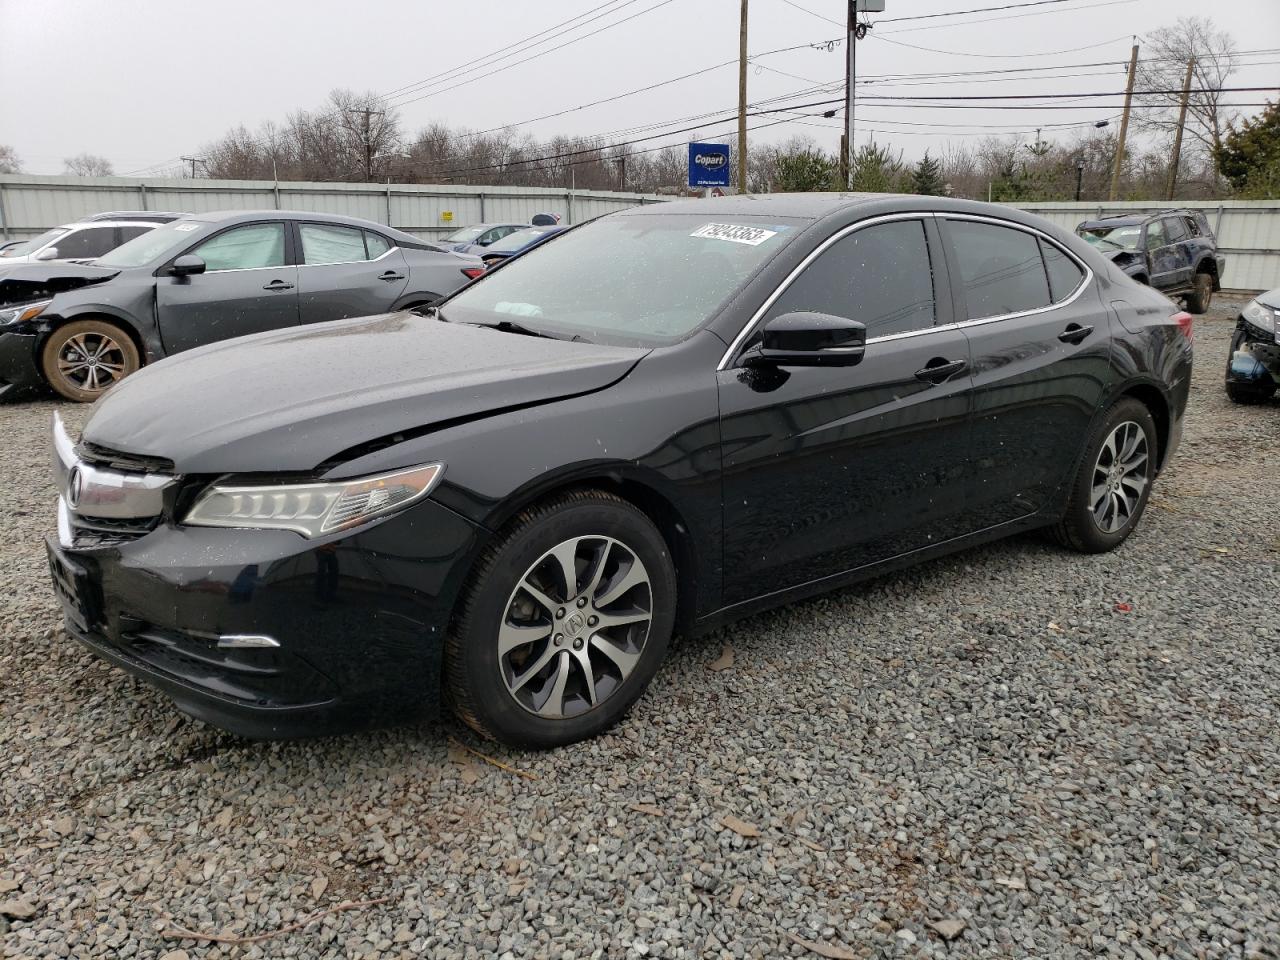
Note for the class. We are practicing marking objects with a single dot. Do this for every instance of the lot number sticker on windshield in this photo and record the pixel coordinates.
(736, 233)
(186, 227)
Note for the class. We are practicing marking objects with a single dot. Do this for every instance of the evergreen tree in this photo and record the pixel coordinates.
(926, 178)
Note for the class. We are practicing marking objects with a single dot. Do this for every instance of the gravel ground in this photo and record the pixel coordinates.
(987, 756)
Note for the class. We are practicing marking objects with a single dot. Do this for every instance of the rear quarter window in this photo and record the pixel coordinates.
(1063, 272)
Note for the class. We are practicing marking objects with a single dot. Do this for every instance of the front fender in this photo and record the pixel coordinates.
(145, 333)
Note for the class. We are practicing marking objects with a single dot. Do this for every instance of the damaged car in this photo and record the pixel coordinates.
(82, 328)
(1253, 364)
(1173, 251)
(668, 418)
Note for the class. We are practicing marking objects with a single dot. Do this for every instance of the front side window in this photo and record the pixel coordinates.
(1000, 269)
(1064, 273)
(879, 275)
(244, 248)
(322, 243)
(639, 279)
(87, 244)
(1155, 235)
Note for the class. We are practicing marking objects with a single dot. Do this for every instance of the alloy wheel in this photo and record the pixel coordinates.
(91, 361)
(575, 626)
(1119, 477)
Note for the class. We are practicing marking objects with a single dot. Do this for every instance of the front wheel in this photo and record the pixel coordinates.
(1110, 490)
(564, 623)
(82, 359)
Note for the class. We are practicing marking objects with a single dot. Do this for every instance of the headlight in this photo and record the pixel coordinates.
(28, 311)
(313, 509)
(1261, 316)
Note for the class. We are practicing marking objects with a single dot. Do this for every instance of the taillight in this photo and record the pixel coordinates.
(1183, 320)
(472, 272)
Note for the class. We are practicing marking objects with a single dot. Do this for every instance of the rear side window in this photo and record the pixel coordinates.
(85, 244)
(1193, 228)
(1176, 229)
(376, 244)
(1064, 273)
(880, 275)
(1000, 269)
(244, 248)
(329, 244)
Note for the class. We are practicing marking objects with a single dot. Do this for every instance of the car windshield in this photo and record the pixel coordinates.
(152, 245)
(1126, 237)
(513, 242)
(35, 243)
(465, 235)
(638, 280)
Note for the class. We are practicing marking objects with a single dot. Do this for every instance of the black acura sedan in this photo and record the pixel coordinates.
(82, 328)
(670, 417)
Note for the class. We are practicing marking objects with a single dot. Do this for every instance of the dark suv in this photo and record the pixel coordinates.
(1173, 251)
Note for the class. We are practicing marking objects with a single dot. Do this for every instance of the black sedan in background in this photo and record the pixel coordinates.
(668, 418)
(1253, 365)
(83, 328)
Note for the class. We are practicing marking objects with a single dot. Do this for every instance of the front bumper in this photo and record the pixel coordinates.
(19, 364)
(1253, 365)
(358, 620)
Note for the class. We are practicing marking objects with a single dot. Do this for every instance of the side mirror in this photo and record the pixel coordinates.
(811, 340)
(187, 265)
(48, 253)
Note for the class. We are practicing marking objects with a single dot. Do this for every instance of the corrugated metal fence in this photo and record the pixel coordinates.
(1248, 231)
(30, 205)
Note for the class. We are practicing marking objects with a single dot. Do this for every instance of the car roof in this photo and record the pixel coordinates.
(1131, 219)
(808, 206)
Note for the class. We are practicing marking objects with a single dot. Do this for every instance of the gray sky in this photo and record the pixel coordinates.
(143, 81)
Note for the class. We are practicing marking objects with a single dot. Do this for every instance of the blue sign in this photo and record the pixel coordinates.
(708, 164)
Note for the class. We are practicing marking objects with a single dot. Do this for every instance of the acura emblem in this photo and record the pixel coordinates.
(74, 484)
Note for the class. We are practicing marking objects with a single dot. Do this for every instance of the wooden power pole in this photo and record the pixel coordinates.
(1124, 124)
(1182, 122)
(742, 102)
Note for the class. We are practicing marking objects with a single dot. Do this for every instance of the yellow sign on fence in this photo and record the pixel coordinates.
(446, 216)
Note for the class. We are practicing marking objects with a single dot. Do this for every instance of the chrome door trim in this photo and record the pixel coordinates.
(736, 345)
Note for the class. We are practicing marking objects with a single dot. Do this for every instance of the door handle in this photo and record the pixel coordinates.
(1074, 333)
(391, 275)
(938, 369)
(278, 285)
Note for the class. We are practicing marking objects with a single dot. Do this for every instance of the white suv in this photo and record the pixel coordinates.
(85, 239)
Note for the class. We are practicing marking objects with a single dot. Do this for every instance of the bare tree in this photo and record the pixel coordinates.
(88, 165)
(1162, 67)
(9, 162)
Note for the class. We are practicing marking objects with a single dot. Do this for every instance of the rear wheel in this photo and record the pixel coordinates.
(564, 623)
(1110, 490)
(81, 360)
(1201, 294)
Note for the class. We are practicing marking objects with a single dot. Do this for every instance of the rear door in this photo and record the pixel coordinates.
(1162, 256)
(1040, 338)
(1180, 243)
(827, 469)
(346, 272)
(250, 284)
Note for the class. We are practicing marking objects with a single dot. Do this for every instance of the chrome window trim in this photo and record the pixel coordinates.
(736, 345)
(342, 263)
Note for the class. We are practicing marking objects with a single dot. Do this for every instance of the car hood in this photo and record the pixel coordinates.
(1271, 298)
(295, 399)
(24, 282)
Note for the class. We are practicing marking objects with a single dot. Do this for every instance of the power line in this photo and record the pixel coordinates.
(1046, 53)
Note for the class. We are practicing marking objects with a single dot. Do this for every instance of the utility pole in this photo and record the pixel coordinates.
(1182, 121)
(193, 161)
(854, 31)
(622, 172)
(742, 101)
(1124, 124)
(368, 141)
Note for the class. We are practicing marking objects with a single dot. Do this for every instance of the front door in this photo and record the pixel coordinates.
(1041, 364)
(1162, 256)
(247, 287)
(347, 272)
(829, 469)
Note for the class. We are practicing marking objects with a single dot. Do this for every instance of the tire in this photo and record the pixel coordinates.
(1201, 294)
(83, 359)
(518, 658)
(1096, 524)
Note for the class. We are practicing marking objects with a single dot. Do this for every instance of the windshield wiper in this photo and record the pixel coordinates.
(510, 326)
